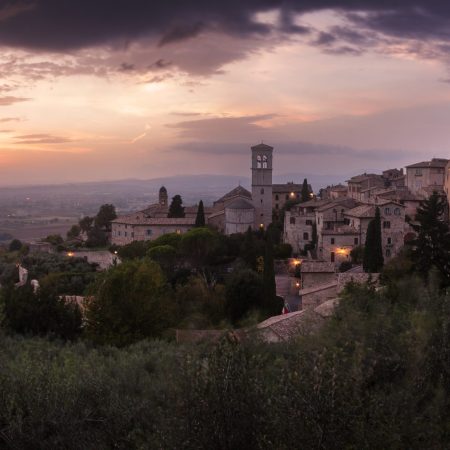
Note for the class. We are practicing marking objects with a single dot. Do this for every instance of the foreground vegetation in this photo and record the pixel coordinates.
(377, 376)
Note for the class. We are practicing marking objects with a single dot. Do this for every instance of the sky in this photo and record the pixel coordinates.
(116, 89)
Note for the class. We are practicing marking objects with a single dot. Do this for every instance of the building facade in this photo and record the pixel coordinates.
(427, 176)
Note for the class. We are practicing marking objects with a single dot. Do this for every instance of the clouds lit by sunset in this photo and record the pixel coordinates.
(95, 90)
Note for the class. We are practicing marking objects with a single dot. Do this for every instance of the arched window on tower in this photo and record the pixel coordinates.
(264, 164)
(258, 161)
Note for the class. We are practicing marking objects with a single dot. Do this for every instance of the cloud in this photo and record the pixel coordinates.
(10, 100)
(10, 119)
(41, 138)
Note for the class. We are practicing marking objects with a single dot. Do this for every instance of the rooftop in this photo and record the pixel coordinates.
(238, 191)
(435, 162)
(133, 219)
(240, 203)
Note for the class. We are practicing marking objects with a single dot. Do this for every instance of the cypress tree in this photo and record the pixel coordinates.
(200, 219)
(305, 191)
(176, 208)
(373, 251)
(271, 305)
(432, 245)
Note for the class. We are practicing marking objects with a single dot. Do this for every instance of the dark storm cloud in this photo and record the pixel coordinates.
(73, 24)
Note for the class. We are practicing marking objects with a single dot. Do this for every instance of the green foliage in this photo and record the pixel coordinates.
(357, 254)
(129, 303)
(96, 237)
(172, 239)
(271, 304)
(244, 293)
(105, 215)
(164, 255)
(431, 248)
(74, 232)
(15, 245)
(199, 305)
(282, 251)
(43, 313)
(305, 191)
(373, 251)
(54, 239)
(198, 244)
(86, 224)
(176, 208)
(200, 219)
(133, 250)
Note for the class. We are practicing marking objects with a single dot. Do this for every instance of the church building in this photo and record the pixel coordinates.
(232, 213)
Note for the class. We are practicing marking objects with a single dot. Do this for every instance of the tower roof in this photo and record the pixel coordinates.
(162, 190)
(262, 147)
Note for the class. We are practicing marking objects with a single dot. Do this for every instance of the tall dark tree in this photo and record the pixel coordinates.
(86, 223)
(314, 237)
(305, 191)
(373, 251)
(432, 245)
(200, 219)
(105, 215)
(271, 304)
(176, 208)
(15, 245)
(249, 249)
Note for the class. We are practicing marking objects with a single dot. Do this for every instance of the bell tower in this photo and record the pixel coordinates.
(262, 184)
(163, 197)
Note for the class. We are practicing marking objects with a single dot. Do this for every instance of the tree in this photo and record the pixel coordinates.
(15, 245)
(86, 223)
(200, 219)
(129, 303)
(164, 255)
(243, 293)
(249, 249)
(432, 245)
(42, 313)
(105, 215)
(74, 232)
(305, 191)
(176, 208)
(314, 237)
(198, 244)
(271, 305)
(373, 251)
(96, 237)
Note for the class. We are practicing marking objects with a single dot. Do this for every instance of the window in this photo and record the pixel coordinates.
(264, 165)
(258, 162)
(287, 196)
(149, 232)
(292, 220)
(276, 197)
(397, 211)
(418, 172)
(386, 224)
(389, 241)
(355, 241)
(305, 236)
(132, 234)
(125, 234)
(388, 252)
(118, 233)
(308, 222)
(332, 241)
(387, 211)
(332, 256)
(276, 206)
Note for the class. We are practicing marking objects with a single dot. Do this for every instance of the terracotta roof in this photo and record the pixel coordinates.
(238, 191)
(132, 219)
(361, 211)
(346, 202)
(362, 177)
(435, 162)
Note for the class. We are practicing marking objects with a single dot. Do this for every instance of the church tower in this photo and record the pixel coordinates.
(262, 184)
(163, 197)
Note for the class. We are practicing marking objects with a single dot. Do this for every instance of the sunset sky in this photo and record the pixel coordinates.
(105, 89)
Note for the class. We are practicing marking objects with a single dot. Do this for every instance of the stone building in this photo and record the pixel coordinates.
(393, 225)
(427, 176)
(337, 244)
(282, 193)
(447, 185)
(357, 185)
